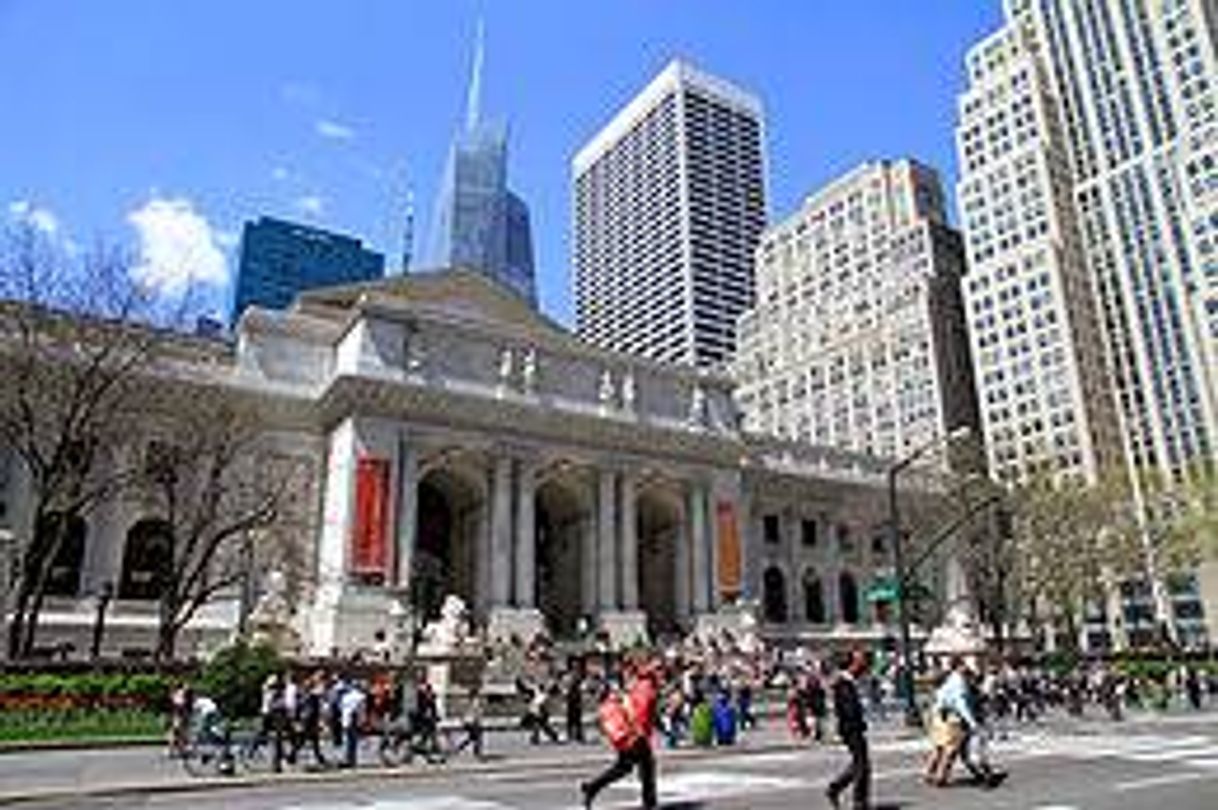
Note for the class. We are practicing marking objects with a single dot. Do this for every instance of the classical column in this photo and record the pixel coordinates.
(525, 556)
(629, 551)
(408, 509)
(699, 549)
(681, 587)
(501, 532)
(607, 540)
(587, 564)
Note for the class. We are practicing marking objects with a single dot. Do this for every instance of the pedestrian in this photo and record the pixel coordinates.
(797, 713)
(471, 724)
(1192, 685)
(675, 721)
(818, 704)
(633, 749)
(311, 711)
(180, 708)
(725, 720)
(575, 703)
(351, 707)
(274, 719)
(426, 720)
(953, 719)
(852, 728)
(744, 704)
(538, 718)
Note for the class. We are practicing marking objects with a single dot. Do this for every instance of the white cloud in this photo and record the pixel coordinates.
(311, 204)
(333, 130)
(280, 173)
(36, 217)
(178, 246)
(227, 239)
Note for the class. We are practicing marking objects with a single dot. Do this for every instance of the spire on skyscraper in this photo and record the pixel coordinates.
(473, 98)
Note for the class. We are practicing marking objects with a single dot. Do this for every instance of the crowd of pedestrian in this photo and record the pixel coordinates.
(692, 693)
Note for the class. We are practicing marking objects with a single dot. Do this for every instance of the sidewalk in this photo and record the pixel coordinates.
(59, 775)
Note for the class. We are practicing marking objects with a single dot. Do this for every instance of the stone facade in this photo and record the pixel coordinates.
(457, 442)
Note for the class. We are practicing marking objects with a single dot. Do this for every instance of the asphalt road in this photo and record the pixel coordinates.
(1160, 765)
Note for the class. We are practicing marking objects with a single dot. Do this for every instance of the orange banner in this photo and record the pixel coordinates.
(369, 546)
(730, 560)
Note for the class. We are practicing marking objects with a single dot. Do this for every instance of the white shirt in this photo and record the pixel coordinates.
(350, 705)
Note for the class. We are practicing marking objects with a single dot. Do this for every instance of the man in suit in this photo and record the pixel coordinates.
(852, 728)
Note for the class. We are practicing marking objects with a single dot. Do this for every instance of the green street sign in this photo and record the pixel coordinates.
(882, 590)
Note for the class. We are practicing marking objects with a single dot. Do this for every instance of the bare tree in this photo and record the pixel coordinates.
(75, 336)
(221, 491)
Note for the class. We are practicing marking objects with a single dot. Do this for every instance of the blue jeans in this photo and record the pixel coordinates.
(350, 745)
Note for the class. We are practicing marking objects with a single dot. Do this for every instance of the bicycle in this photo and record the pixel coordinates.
(223, 752)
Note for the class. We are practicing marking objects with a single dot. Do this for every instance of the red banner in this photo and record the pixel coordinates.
(728, 532)
(369, 546)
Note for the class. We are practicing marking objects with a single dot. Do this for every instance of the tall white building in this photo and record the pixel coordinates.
(1034, 330)
(1088, 145)
(1132, 91)
(669, 203)
(858, 337)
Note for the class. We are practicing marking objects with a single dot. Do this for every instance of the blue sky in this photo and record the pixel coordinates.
(164, 125)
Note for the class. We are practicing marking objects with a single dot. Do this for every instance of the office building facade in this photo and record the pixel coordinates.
(669, 202)
(1130, 96)
(1088, 195)
(280, 259)
(858, 338)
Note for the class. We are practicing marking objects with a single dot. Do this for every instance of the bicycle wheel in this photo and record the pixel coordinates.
(396, 749)
(199, 760)
(253, 754)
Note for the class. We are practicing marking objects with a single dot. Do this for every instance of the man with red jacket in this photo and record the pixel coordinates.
(627, 721)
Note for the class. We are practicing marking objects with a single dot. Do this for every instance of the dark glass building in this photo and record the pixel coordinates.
(279, 259)
(479, 223)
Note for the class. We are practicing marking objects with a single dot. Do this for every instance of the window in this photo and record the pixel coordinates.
(814, 598)
(774, 595)
(770, 529)
(848, 593)
(808, 532)
(68, 538)
(146, 557)
(845, 543)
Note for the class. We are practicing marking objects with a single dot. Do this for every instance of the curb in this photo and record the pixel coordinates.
(35, 746)
(508, 765)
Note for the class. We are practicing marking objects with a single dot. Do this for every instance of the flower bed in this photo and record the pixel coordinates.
(38, 706)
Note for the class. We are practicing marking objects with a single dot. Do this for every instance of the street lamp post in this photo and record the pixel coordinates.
(104, 595)
(912, 716)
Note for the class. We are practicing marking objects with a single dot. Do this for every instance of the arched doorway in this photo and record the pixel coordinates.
(814, 598)
(562, 514)
(147, 558)
(450, 510)
(848, 589)
(658, 526)
(774, 595)
(64, 576)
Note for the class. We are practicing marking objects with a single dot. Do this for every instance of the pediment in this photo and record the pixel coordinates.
(451, 294)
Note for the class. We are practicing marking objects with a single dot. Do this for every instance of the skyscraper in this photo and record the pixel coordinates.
(669, 205)
(280, 259)
(479, 222)
(858, 338)
(1130, 98)
(1088, 144)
